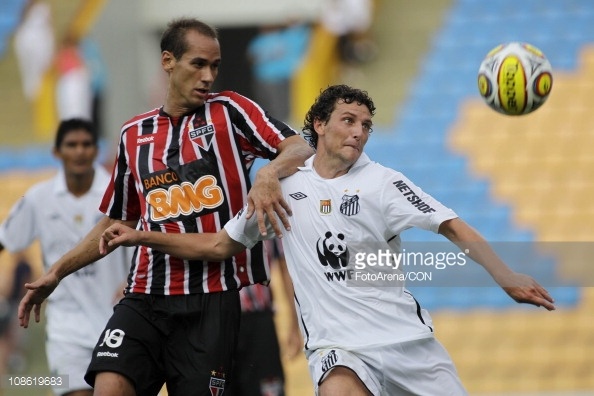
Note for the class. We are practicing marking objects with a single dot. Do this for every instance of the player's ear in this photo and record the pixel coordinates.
(167, 61)
(319, 126)
(56, 153)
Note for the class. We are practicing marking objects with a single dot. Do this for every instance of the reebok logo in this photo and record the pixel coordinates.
(145, 140)
(107, 354)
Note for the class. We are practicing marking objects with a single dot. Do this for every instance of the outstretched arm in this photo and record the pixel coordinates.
(80, 256)
(522, 288)
(206, 246)
(265, 196)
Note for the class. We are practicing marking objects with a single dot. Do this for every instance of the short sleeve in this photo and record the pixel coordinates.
(245, 231)
(409, 206)
(18, 231)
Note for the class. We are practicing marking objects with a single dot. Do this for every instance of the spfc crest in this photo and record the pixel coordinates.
(217, 383)
(350, 205)
(202, 136)
(325, 206)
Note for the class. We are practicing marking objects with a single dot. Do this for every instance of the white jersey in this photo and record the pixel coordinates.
(79, 308)
(370, 203)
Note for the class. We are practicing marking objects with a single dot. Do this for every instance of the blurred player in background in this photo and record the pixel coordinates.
(259, 369)
(59, 212)
(182, 168)
(12, 353)
(360, 338)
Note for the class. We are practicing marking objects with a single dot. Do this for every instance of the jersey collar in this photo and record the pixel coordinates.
(98, 185)
(362, 161)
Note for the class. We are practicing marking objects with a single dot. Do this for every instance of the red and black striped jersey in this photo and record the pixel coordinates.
(191, 174)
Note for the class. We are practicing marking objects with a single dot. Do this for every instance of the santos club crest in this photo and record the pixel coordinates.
(350, 205)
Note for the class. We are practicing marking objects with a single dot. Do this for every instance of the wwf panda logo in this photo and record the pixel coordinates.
(332, 250)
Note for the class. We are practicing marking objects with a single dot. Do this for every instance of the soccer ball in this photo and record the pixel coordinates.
(515, 78)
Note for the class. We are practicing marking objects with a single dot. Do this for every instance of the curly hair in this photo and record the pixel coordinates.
(174, 37)
(325, 104)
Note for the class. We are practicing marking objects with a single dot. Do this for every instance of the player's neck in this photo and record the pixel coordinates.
(79, 185)
(330, 168)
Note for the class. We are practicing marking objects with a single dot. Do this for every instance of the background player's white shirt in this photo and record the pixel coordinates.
(370, 203)
(79, 308)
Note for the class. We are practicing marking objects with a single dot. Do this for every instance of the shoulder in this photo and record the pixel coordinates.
(138, 119)
(101, 175)
(376, 171)
(230, 97)
(42, 189)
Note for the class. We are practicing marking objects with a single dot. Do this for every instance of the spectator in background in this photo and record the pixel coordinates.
(34, 45)
(74, 96)
(93, 60)
(350, 21)
(275, 54)
(259, 369)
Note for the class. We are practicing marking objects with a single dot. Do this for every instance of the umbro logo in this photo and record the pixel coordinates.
(297, 196)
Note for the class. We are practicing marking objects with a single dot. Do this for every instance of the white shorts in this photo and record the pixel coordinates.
(421, 367)
(68, 360)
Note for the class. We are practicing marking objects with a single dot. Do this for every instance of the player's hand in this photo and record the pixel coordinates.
(265, 199)
(117, 235)
(523, 289)
(36, 294)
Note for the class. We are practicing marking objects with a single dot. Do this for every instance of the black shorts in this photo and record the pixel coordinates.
(187, 342)
(258, 367)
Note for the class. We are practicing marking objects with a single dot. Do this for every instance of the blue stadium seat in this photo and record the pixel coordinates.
(448, 76)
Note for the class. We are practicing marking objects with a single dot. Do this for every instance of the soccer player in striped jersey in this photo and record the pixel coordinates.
(182, 168)
(361, 338)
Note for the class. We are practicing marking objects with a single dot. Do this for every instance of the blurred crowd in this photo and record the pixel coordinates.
(70, 67)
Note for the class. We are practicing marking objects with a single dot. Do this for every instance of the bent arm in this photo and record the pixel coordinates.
(293, 151)
(206, 246)
(265, 196)
(522, 288)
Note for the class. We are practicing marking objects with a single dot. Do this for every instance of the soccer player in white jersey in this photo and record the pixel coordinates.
(59, 212)
(358, 340)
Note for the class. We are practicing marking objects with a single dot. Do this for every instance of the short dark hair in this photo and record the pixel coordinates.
(174, 37)
(72, 124)
(325, 104)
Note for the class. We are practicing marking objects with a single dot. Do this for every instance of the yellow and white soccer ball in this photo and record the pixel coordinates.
(515, 78)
